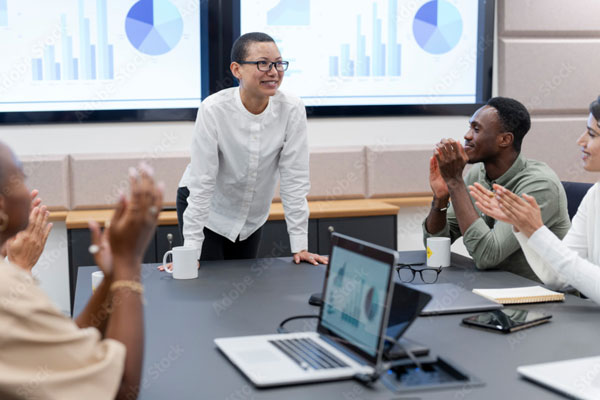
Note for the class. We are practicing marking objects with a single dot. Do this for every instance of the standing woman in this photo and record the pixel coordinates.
(574, 261)
(246, 138)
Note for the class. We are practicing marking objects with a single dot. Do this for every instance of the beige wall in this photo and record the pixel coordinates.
(549, 58)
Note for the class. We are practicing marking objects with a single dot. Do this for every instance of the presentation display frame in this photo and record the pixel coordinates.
(484, 72)
(123, 115)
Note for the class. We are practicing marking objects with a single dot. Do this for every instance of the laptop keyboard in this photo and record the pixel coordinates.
(308, 354)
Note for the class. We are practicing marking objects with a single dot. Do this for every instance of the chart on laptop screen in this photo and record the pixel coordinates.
(344, 52)
(355, 296)
(99, 54)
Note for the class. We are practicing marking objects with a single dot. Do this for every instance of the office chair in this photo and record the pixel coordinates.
(575, 193)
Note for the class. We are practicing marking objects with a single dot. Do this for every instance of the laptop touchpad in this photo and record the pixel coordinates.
(262, 355)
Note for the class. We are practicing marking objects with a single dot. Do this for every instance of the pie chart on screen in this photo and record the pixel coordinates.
(154, 27)
(437, 26)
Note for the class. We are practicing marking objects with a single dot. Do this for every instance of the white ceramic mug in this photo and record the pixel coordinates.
(185, 262)
(97, 278)
(438, 252)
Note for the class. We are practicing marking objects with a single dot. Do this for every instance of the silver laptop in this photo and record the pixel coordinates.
(350, 333)
(578, 378)
(449, 298)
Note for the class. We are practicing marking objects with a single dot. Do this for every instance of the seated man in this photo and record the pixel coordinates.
(493, 144)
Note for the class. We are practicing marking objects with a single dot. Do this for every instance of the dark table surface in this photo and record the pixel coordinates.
(248, 297)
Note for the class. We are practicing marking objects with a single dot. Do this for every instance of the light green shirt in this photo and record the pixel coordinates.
(491, 243)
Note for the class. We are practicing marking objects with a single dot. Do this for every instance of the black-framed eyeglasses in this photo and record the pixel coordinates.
(407, 273)
(265, 66)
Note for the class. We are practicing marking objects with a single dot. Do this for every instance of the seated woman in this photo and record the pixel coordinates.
(574, 261)
(45, 355)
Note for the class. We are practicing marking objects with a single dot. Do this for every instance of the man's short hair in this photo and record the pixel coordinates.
(514, 118)
(239, 51)
(595, 109)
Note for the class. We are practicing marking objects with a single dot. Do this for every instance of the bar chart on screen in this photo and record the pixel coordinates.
(376, 64)
(96, 61)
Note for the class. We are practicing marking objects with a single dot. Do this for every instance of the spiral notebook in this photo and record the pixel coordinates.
(521, 295)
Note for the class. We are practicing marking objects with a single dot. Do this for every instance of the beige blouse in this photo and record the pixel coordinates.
(43, 354)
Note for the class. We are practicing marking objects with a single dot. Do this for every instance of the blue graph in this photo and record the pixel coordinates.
(3, 12)
(437, 27)
(94, 62)
(385, 59)
(290, 12)
(154, 27)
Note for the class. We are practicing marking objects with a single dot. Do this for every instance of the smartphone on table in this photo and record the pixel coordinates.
(507, 319)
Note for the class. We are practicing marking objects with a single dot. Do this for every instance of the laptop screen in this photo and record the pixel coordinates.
(355, 298)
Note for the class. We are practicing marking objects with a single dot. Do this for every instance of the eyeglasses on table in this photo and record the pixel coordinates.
(407, 273)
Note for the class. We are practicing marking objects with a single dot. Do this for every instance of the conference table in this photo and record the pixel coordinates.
(249, 297)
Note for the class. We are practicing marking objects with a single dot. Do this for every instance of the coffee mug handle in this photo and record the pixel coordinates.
(165, 261)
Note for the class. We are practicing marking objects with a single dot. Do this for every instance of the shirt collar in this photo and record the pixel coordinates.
(244, 110)
(518, 166)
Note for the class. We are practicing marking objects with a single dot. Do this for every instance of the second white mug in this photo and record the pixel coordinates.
(185, 262)
(438, 252)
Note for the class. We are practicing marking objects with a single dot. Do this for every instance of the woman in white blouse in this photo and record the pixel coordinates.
(246, 139)
(574, 261)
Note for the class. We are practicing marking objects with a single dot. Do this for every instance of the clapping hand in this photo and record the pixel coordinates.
(487, 202)
(451, 158)
(135, 219)
(437, 183)
(523, 213)
(26, 247)
(100, 248)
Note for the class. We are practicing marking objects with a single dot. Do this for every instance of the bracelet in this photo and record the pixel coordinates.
(131, 285)
(439, 209)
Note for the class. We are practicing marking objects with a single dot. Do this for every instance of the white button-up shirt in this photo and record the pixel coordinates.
(236, 160)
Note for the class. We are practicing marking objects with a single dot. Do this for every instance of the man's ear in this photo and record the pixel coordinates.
(506, 139)
(235, 70)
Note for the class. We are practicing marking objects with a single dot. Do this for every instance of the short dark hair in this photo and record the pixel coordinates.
(514, 118)
(239, 51)
(595, 109)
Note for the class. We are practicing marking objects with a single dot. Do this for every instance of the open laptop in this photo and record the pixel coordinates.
(449, 298)
(350, 333)
(578, 378)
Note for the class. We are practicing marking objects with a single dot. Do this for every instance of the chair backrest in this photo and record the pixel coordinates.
(575, 192)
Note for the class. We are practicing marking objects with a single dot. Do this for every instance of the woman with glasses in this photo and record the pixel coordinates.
(574, 261)
(245, 139)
